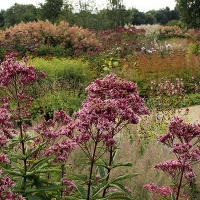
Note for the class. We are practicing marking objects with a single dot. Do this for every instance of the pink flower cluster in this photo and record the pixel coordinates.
(164, 191)
(174, 168)
(53, 131)
(119, 41)
(12, 68)
(5, 189)
(6, 133)
(184, 132)
(183, 139)
(15, 77)
(70, 187)
(3, 158)
(168, 88)
(111, 104)
(117, 190)
(63, 149)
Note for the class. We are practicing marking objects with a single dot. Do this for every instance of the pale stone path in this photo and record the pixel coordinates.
(194, 113)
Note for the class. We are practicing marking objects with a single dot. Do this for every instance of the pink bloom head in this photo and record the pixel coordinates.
(111, 102)
(164, 191)
(69, 187)
(6, 184)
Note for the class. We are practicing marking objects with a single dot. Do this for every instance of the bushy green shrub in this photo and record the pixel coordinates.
(63, 87)
(45, 50)
(74, 72)
(194, 48)
(175, 23)
(61, 100)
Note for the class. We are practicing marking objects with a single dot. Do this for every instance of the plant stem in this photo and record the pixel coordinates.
(110, 163)
(23, 145)
(62, 176)
(23, 151)
(180, 183)
(21, 131)
(91, 169)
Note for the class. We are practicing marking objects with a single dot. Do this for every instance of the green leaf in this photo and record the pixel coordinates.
(35, 150)
(123, 177)
(46, 188)
(101, 171)
(121, 165)
(114, 155)
(81, 190)
(102, 165)
(43, 171)
(35, 197)
(99, 189)
(73, 198)
(117, 195)
(121, 187)
(173, 197)
(120, 197)
(13, 172)
(39, 163)
(79, 177)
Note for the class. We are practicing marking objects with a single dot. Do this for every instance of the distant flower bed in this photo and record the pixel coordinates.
(121, 41)
(31, 36)
(150, 29)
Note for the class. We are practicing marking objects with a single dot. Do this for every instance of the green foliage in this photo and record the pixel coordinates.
(61, 100)
(18, 13)
(73, 72)
(189, 12)
(143, 18)
(190, 100)
(113, 186)
(2, 18)
(37, 185)
(175, 23)
(162, 16)
(57, 51)
(86, 14)
(63, 88)
(194, 48)
(51, 9)
(111, 64)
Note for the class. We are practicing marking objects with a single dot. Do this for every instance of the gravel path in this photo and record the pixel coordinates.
(194, 113)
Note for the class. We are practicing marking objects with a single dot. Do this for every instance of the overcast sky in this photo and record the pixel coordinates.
(141, 5)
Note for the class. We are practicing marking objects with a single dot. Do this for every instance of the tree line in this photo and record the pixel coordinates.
(86, 14)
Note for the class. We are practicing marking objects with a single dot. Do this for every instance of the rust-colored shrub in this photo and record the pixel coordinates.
(193, 34)
(148, 67)
(171, 31)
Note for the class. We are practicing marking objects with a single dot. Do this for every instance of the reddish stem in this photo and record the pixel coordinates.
(21, 132)
(91, 169)
(62, 176)
(180, 183)
(110, 163)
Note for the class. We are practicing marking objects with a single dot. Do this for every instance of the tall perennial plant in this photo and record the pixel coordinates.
(183, 140)
(37, 161)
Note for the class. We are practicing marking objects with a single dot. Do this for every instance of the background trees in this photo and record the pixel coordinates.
(50, 10)
(189, 12)
(17, 13)
(2, 19)
(86, 14)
